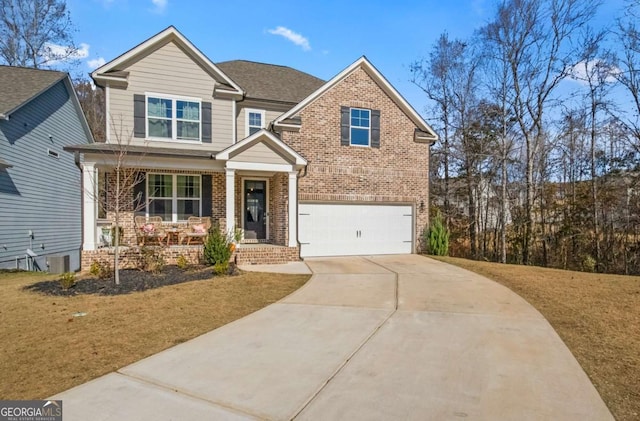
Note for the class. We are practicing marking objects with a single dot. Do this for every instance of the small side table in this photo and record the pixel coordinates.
(173, 233)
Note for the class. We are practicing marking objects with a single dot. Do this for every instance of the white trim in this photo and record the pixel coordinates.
(265, 135)
(293, 209)
(107, 113)
(363, 63)
(266, 203)
(164, 37)
(174, 117)
(230, 193)
(247, 111)
(351, 127)
(89, 213)
(174, 194)
(256, 166)
(234, 120)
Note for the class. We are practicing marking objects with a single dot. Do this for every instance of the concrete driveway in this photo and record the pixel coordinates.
(367, 338)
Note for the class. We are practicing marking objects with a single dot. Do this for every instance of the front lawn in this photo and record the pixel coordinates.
(46, 349)
(596, 315)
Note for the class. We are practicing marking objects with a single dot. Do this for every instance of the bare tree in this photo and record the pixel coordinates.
(533, 37)
(435, 76)
(596, 71)
(124, 177)
(628, 69)
(35, 33)
(92, 99)
(498, 80)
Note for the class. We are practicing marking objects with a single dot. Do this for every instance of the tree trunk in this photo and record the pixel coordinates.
(116, 251)
(594, 186)
(505, 209)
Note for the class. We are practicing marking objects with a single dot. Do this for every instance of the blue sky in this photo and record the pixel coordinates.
(318, 37)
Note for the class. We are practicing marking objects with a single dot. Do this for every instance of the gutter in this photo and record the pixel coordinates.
(4, 116)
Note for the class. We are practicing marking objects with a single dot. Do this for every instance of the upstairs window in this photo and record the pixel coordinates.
(173, 118)
(360, 127)
(255, 121)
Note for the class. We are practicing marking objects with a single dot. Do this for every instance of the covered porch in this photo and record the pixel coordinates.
(248, 189)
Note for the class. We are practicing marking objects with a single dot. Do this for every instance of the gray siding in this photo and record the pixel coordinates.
(241, 119)
(260, 153)
(41, 193)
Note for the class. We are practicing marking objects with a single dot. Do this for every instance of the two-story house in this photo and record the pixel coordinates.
(304, 167)
(40, 200)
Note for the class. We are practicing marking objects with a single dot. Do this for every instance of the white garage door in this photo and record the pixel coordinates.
(344, 230)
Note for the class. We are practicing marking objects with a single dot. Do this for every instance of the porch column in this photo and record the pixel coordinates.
(293, 209)
(89, 210)
(231, 200)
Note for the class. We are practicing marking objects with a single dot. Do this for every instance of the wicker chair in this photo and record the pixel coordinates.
(197, 228)
(149, 229)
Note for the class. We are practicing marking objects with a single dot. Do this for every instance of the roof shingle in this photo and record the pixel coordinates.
(19, 85)
(270, 81)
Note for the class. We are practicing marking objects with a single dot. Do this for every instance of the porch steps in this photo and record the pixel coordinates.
(265, 254)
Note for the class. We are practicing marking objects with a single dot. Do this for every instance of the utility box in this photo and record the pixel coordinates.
(59, 264)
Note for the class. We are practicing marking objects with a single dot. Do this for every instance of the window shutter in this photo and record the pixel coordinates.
(345, 125)
(139, 118)
(140, 194)
(206, 195)
(206, 122)
(375, 128)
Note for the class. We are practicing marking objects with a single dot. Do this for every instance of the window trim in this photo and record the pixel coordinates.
(247, 127)
(351, 127)
(174, 119)
(174, 195)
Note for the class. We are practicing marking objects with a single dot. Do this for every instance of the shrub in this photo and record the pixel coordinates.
(101, 270)
(588, 264)
(150, 260)
(182, 262)
(67, 280)
(221, 268)
(217, 251)
(437, 237)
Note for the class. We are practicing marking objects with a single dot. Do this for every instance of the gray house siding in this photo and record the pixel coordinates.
(41, 193)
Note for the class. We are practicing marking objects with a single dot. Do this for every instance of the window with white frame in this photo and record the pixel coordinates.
(173, 118)
(174, 197)
(360, 127)
(255, 121)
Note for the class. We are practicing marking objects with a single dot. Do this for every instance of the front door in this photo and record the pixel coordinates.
(255, 208)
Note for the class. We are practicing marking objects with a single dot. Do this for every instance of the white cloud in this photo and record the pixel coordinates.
(597, 69)
(294, 37)
(159, 5)
(54, 53)
(96, 62)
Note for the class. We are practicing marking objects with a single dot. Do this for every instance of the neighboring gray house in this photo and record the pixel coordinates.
(40, 200)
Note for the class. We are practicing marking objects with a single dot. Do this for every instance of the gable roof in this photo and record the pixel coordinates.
(114, 70)
(424, 130)
(270, 139)
(19, 85)
(270, 81)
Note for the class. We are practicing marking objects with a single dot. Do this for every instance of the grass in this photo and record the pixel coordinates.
(46, 350)
(596, 315)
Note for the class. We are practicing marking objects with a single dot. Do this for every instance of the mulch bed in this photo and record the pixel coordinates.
(131, 280)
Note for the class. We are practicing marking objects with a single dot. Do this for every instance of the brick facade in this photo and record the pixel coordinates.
(396, 172)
